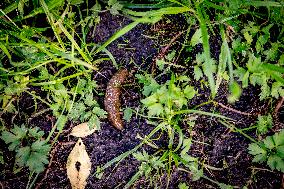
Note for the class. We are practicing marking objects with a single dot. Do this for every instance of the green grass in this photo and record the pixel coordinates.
(55, 64)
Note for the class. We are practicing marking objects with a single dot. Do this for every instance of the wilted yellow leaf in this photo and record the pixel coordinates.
(82, 130)
(78, 166)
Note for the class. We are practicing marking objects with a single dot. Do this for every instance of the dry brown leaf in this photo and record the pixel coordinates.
(78, 166)
(82, 130)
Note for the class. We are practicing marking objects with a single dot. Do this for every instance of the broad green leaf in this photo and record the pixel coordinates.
(235, 92)
(127, 114)
(183, 186)
(150, 100)
(189, 92)
(155, 109)
(269, 143)
(279, 138)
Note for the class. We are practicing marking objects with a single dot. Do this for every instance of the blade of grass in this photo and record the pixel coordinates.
(124, 31)
(57, 80)
(201, 113)
(69, 36)
(50, 4)
(159, 12)
(264, 3)
(208, 65)
(51, 22)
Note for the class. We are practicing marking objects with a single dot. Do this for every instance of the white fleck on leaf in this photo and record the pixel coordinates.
(82, 130)
(78, 166)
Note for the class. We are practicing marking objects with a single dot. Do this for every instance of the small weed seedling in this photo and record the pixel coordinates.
(31, 150)
(270, 150)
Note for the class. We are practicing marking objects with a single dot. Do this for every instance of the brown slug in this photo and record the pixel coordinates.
(112, 101)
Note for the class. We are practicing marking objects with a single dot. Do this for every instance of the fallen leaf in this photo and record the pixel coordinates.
(78, 166)
(82, 130)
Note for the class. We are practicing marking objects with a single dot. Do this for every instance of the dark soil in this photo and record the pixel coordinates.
(135, 51)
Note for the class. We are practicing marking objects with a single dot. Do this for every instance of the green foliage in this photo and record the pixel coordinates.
(183, 186)
(1, 158)
(149, 168)
(258, 67)
(31, 150)
(235, 91)
(86, 108)
(115, 6)
(127, 114)
(270, 150)
(169, 97)
(264, 123)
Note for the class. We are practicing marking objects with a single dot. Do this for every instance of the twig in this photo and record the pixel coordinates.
(278, 106)
(233, 110)
(163, 52)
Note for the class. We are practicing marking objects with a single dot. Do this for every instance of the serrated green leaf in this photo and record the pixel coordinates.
(255, 149)
(89, 100)
(275, 162)
(155, 109)
(40, 146)
(196, 38)
(37, 161)
(94, 122)
(265, 91)
(35, 132)
(150, 100)
(256, 78)
(264, 123)
(99, 112)
(260, 158)
(86, 116)
(61, 122)
(23, 155)
(275, 89)
(139, 156)
(115, 8)
(280, 151)
(248, 37)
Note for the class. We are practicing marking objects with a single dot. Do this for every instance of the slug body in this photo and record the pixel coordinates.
(112, 100)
